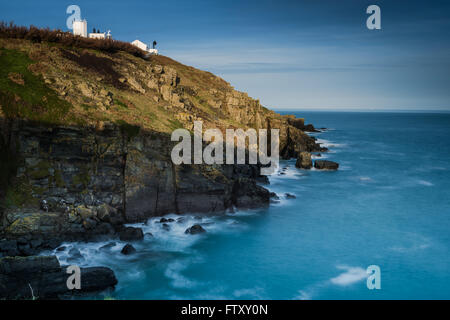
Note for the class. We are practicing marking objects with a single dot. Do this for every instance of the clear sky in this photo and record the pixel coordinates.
(289, 54)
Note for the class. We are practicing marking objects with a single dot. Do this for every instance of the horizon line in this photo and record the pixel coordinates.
(360, 110)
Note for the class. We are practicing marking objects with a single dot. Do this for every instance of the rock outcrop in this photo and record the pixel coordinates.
(131, 234)
(304, 161)
(42, 277)
(326, 165)
(195, 229)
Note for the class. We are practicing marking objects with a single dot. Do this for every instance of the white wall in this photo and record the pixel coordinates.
(80, 28)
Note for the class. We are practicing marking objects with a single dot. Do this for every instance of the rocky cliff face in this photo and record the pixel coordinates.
(85, 138)
(88, 181)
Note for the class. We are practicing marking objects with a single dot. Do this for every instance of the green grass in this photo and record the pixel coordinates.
(33, 100)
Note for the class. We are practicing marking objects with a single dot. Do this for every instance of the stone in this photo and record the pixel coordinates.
(289, 196)
(195, 229)
(165, 226)
(42, 277)
(325, 165)
(109, 214)
(89, 224)
(75, 253)
(128, 249)
(304, 160)
(107, 246)
(85, 213)
(131, 234)
(9, 247)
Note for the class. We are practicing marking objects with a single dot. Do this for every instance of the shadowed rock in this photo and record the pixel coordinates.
(326, 165)
(195, 229)
(304, 160)
(131, 234)
(128, 249)
(42, 277)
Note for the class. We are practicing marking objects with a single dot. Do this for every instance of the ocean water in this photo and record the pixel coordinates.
(387, 205)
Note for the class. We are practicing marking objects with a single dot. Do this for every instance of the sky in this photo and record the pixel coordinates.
(304, 54)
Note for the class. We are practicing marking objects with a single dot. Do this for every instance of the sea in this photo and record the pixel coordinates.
(387, 206)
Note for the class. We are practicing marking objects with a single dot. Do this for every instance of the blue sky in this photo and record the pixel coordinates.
(289, 54)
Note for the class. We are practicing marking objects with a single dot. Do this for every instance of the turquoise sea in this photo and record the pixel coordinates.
(387, 205)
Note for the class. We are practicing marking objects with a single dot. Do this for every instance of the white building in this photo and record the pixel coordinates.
(101, 35)
(144, 47)
(80, 28)
(140, 45)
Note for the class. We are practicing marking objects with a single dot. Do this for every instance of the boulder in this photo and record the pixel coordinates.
(128, 249)
(247, 194)
(195, 229)
(304, 160)
(107, 246)
(109, 214)
(326, 165)
(131, 234)
(42, 277)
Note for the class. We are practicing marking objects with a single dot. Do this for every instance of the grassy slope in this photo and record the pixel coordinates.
(53, 72)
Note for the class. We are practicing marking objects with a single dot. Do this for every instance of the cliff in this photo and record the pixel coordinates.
(85, 137)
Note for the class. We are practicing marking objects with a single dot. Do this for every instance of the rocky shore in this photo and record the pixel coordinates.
(42, 277)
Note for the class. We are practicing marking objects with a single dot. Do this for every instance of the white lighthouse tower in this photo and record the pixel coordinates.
(80, 28)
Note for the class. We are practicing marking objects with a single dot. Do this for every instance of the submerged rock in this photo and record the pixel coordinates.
(131, 234)
(107, 246)
(304, 160)
(128, 249)
(165, 226)
(289, 196)
(195, 229)
(326, 165)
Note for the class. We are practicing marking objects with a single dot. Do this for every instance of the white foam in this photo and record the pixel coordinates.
(425, 183)
(329, 144)
(173, 272)
(256, 293)
(350, 276)
(303, 295)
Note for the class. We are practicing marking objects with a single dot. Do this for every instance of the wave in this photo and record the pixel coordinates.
(329, 144)
(177, 280)
(425, 183)
(350, 276)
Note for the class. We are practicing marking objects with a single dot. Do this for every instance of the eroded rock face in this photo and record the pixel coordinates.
(304, 160)
(93, 180)
(155, 186)
(42, 277)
